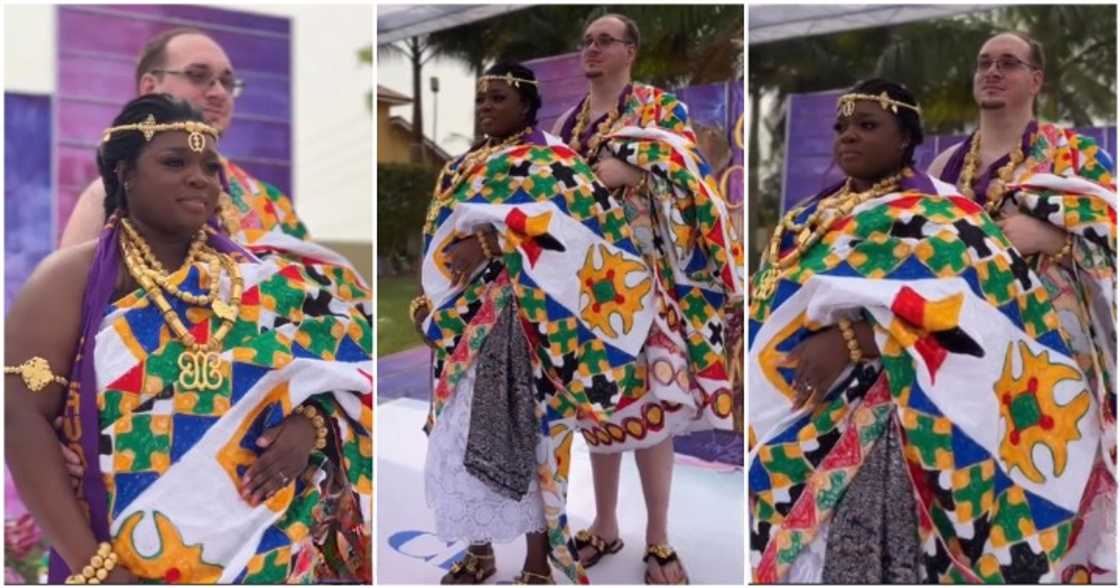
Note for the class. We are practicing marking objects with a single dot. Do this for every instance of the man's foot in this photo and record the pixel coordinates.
(592, 547)
(475, 567)
(663, 566)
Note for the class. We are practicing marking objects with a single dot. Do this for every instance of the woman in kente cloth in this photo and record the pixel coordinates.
(537, 303)
(221, 410)
(906, 370)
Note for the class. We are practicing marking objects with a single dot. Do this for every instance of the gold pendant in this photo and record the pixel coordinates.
(804, 235)
(200, 370)
(223, 310)
(765, 285)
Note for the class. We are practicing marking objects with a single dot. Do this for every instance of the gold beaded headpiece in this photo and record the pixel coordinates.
(509, 78)
(846, 106)
(196, 141)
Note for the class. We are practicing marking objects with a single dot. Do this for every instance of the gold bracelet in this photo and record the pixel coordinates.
(1066, 252)
(486, 250)
(849, 334)
(98, 567)
(421, 301)
(312, 414)
(36, 373)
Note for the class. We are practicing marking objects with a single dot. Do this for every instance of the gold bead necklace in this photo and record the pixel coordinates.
(470, 162)
(200, 365)
(582, 120)
(997, 187)
(815, 227)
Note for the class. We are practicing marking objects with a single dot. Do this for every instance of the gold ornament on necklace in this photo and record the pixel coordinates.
(997, 186)
(815, 227)
(200, 365)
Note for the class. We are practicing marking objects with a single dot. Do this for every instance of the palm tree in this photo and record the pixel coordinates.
(418, 51)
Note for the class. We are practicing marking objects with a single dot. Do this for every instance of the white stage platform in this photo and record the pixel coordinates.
(706, 514)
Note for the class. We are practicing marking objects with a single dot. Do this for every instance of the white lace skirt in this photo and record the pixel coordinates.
(465, 508)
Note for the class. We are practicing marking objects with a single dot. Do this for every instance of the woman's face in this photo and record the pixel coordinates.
(172, 188)
(869, 144)
(499, 110)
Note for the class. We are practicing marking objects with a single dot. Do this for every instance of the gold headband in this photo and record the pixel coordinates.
(846, 106)
(196, 141)
(509, 78)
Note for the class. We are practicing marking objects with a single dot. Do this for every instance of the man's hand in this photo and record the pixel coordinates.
(1030, 236)
(614, 172)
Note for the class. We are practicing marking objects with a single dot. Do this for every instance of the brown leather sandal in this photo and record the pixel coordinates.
(585, 538)
(469, 570)
(664, 555)
(527, 577)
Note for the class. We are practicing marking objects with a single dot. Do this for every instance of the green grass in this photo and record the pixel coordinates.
(394, 329)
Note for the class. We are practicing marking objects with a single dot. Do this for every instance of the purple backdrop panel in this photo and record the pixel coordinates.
(562, 85)
(718, 106)
(809, 166)
(27, 187)
(97, 48)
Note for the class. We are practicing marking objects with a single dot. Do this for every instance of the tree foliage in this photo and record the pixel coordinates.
(935, 59)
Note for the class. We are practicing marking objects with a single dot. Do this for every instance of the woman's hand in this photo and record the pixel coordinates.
(1030, 236)
(819, 360)
(287, 449)
(418, 321)
(613, 172)
(462, 258)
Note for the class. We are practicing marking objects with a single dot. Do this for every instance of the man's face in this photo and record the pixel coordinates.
(203, 64)
(605, 50)
(1005, 75)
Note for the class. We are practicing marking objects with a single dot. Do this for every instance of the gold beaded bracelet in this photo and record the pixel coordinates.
(849, 334)
(421, 301)
(486, 250)
(98, 567)
(316, 419)
(36, 373)
(1066, 252)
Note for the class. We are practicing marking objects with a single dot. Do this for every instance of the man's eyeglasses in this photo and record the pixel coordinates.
(203, 78)
(600, 42)
(1003, 64)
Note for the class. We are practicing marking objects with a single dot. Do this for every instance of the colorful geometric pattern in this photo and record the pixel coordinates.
(695, 252)
(1066, 181)
(971, 351)
(172, 459)
(259, 207)
(553, 220)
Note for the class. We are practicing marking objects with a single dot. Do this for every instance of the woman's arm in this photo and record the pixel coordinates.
(44, 321)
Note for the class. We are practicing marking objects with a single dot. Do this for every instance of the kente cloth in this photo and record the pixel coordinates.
(165, 456)
(254, 208)
(583, 294)
(692, 246)
(999, 427)
(1066, 180)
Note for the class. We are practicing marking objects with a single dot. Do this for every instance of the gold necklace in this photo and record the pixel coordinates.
(156, 272)
(582, 120)
(471, 161)
(997, 187)
(815, 227)
(200, 365)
